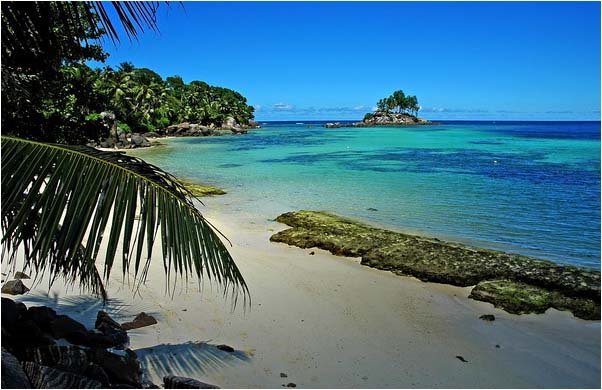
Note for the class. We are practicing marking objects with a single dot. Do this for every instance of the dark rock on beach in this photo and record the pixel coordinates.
(66, 358)
(14, 287)
(225, 348)
(21, 275)
(96, 372)
(19, 331)
(120, 369)
(179, 382)
(487, 317)
(9, 312)
(560, 286)
(122, 140)
(114, 332)
(13, 376)
(42, 315)
(65, 327)
(140, 321)
(31, 356)
(43, 377)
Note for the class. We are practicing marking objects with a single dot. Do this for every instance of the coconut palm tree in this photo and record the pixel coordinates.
(60, 202)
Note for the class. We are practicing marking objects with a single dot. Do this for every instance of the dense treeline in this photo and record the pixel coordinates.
(49, 94)
(142, 101)
(399, 102)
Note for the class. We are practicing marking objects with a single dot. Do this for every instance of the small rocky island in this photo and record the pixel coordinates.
(395, 110)
(515, 283)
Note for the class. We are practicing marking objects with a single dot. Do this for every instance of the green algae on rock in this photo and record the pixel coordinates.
(522, 298)
(433, 260)
(199, 190)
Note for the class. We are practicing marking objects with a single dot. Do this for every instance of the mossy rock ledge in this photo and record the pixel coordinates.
(199, 190)
(515, 283)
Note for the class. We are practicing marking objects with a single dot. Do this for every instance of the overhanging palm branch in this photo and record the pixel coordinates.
(25, 26)
(58, 200)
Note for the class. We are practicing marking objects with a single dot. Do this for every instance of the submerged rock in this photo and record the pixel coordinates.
(443, 262)
(200, 190)
(487, 317)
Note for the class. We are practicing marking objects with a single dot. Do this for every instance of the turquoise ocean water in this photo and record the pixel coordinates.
(524, 187)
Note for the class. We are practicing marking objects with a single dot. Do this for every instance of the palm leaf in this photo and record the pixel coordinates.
(26, 27)
(59, 199)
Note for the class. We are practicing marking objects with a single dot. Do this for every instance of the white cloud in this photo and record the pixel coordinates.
(283, 107)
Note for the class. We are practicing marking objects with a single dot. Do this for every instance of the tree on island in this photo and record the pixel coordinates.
(398, 102)
(58, 199)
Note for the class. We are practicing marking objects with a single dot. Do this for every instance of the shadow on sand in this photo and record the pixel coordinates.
(191, 359)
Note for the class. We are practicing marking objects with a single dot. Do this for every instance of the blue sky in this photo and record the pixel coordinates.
(296, 61)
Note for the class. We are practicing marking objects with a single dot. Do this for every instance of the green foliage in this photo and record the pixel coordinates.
(49, 94)
(43, 86)
(58, 200)
(399, 102)
(124, 126)
(368, 116)
(140, 98)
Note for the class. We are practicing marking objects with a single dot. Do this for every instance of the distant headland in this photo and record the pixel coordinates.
(398, 109)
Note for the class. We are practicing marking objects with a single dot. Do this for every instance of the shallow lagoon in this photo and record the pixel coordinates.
(525, 187)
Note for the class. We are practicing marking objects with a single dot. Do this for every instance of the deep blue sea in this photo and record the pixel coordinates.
(524, 187)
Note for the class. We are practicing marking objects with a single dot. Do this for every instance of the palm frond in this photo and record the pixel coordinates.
(59, 199)
(134, 16)
(26, 26)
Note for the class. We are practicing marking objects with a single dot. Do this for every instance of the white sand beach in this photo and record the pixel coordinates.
(327, 321)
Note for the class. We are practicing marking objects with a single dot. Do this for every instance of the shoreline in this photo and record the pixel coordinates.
(327, 321)
(518, 284)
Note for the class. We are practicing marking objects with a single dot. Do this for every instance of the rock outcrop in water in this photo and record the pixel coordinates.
(518, 284)
(141, 140)
(200, 190)
(382, 119)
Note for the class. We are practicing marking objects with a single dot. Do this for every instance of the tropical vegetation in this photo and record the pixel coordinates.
(399, 102)
(58, 200)
(50, 94)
